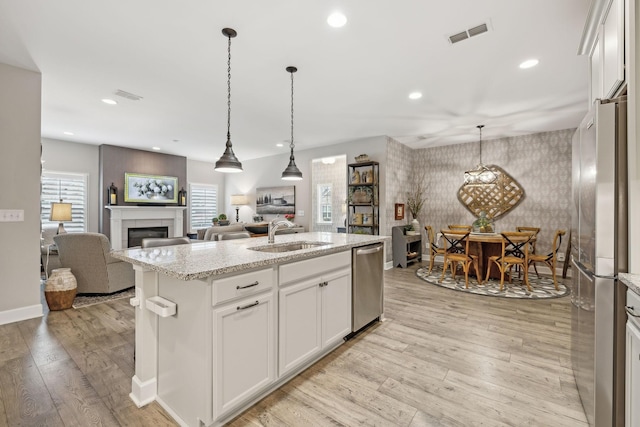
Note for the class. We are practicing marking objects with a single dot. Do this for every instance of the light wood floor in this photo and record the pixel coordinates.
(441, 358)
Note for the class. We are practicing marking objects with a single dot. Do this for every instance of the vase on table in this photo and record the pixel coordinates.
(415, 224)
(60, 289)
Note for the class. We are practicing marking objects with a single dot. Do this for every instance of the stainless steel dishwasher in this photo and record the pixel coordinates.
(367, 285)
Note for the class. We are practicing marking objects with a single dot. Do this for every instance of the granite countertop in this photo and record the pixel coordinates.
(202, 259)
(631, 280)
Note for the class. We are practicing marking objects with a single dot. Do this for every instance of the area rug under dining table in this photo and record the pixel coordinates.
(541, 287)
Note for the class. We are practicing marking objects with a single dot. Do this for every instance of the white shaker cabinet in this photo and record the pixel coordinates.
(632, 389)
(244, 350)
(613, 49)
(314, 308)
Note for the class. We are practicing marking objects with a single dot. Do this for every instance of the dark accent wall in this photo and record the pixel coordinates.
(115, 161)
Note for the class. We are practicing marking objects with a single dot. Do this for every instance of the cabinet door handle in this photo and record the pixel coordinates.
(630, 311)
(321, 284)
(326, 283)
(256, 283)
(247, 306)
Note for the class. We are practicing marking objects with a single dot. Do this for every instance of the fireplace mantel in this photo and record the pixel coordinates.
(150, 216)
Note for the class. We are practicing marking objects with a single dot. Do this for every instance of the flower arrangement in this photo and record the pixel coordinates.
(289, 216)
(152, 187)
(416, 197)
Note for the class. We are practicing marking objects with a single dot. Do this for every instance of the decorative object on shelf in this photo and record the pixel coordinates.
(222, 219)
(483, 224)
(357, 218)
(215, 220)
(361, 195)
(367, 219)
(415, 225)
(60, 289)
(495, 200)
(362, 158)
(355, 177)
(481, 175)
(113, 194)
(182, 197)
(289, 217)
(292, 173)
(228, 163)
(257, 218)
(399, 211)
(142, 188)
(276, 200)
(238, 200)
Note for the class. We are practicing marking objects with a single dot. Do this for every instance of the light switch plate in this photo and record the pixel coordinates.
(300, 213)
(11, 215)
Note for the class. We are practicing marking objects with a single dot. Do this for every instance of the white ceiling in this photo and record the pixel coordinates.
(352, 82)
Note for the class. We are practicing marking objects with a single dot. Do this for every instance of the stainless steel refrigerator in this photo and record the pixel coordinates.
(598, 254)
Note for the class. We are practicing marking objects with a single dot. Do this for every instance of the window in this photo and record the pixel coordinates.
(203, 205)
(324, 204)
(71, 188)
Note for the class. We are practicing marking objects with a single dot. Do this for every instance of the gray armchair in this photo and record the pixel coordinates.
(88, 257)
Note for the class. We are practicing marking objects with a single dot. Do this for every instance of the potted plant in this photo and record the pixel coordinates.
(416, 198)
(215, 220)
(222, 219)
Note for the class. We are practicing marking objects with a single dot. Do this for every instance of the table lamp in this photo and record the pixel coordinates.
(238, 200)
(60, 212)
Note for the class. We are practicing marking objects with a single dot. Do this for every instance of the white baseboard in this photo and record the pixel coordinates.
(143, 392)
(22, 313)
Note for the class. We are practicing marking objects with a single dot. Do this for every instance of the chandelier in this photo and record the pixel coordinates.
(481, 175)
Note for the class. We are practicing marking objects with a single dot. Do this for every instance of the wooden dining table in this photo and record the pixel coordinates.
(486, 245)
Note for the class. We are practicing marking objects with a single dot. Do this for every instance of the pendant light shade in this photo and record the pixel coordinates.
(292, 173)
(481, 175)
(228, 162)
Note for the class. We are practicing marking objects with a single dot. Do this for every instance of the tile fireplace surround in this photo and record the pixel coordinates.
(125, 217)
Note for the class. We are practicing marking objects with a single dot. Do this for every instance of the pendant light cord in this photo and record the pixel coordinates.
(291, 145)
(229, 91)
(480, 127)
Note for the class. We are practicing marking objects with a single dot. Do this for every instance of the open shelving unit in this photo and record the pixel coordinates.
(363, 193)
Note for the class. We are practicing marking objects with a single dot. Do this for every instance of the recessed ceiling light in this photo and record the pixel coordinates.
(415, 95)
(68, 133)
(109, 101)
(337, 20)
(155, 148)
(529, 63)
(279, 144)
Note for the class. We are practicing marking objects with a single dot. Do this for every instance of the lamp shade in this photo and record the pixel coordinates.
(60, 212)
(239, 200)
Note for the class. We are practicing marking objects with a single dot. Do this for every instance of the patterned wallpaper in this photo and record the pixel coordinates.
(541, 163)
(334, 174)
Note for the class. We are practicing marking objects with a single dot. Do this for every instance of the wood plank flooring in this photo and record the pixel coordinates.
(441, 358)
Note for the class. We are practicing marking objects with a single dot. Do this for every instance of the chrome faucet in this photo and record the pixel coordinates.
(276, 223)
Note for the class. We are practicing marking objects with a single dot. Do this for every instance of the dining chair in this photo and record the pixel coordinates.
(456, 251)
(532, 244)
(434, 249)
(515, 252)
(460, 227)
(551, 258)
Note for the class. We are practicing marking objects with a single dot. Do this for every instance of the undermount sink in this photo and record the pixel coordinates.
(288, 247)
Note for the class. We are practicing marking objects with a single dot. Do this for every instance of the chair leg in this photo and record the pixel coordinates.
(502, 268)
(536, 269)
(553, 273)
(431, 262)
(525, 267)
(444, 269)
(486, 279)
(478, 274)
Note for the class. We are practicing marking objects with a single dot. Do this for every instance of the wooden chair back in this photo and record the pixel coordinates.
(460, 227)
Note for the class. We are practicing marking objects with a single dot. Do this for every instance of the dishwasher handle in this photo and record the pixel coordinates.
(367, 251)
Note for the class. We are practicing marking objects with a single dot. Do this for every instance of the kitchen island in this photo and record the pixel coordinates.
(219, 325)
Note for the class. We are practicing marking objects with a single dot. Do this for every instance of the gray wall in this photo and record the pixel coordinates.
(115, 161)
(65, 156)
(20, 177)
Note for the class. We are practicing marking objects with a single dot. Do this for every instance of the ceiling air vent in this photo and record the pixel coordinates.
(127, 95)
(471, 32)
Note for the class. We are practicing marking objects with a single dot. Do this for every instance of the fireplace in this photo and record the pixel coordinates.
(135, 235)
(125, 217)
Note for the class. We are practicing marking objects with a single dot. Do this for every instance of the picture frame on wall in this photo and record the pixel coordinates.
(276, 200)
(399, 210)
(142, 188)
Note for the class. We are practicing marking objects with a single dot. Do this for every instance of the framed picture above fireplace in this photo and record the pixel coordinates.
(141, 188)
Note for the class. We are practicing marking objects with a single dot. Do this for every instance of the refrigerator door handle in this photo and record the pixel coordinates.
(591, 274)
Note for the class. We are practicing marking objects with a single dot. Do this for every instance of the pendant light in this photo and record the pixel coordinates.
(292, 173)
(228, 162)
(481, 175)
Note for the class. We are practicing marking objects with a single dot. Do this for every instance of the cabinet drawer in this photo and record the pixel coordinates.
(241, 285)
(633, 306)
(313, 267)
